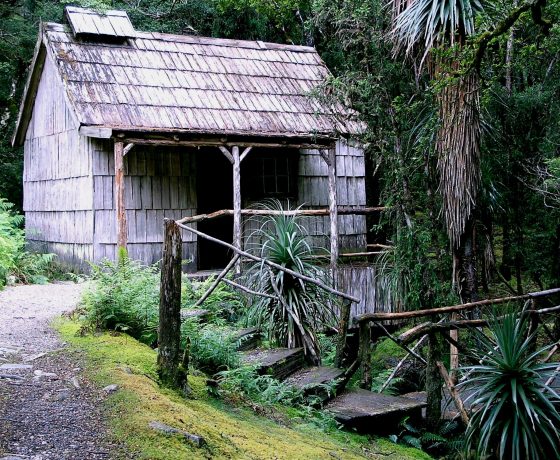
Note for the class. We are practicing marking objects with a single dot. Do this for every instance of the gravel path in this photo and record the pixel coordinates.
(48, 410)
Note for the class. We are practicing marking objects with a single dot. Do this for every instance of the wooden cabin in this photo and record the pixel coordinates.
(122, 128)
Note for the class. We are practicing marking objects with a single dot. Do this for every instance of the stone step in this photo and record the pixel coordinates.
(278, 362)
(369, 412)
(248, 339)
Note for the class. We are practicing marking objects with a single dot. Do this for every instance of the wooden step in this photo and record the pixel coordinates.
(248, 339)
(312, 380)
(278, 362)
(370, 412)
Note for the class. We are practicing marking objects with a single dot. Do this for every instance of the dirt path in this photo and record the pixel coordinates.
(47, 408)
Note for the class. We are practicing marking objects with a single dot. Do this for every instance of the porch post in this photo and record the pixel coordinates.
(119, 195)
(236, 202)
(333, 211)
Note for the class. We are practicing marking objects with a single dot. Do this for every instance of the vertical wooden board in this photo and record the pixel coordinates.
(140, 154)
(360, 224)
(341, 167)
(351, 190)
(182, 191)
(360, 166)
(302, 163)
(185, 160)
(100, 162)
(130, 164)
(192, 200)
(128, 199)
(342, 191)
(150, 162)
(136, 188)
(153, 227)
(131, 225)
(108, 192)
(145, 192)
(175, 163)
(174, 202)
(323, 190)
(111, 167)
(140, 226)
(156, 192)
(361, 191)
(165, 193)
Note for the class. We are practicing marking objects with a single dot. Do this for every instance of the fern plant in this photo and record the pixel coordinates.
(516, 414)
(294, 310)
(11, 239)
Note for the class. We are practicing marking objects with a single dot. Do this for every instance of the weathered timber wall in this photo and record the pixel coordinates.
(57, 184)
(363, 281)
(313, 193)
(159, 183)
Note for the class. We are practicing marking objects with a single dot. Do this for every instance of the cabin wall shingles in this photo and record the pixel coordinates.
(159, 183)
(314, 193)
(58, 198)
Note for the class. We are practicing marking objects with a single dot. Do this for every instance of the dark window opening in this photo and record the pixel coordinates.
(270, 174)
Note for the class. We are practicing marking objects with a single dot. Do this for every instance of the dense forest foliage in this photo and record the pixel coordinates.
(476, 209)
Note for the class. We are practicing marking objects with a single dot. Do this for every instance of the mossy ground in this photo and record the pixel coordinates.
(229, 432)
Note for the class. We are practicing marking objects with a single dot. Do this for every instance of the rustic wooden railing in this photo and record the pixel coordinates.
(431, 330)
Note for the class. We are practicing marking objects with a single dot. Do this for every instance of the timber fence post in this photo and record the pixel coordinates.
(364, 354)
(433, 382)
(169, 329)
(342, 333)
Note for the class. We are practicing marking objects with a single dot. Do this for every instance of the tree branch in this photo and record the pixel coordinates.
(535, 6)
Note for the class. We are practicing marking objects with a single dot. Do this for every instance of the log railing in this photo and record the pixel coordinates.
(435, 330)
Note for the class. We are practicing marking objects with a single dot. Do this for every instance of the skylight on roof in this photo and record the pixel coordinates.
(111, 24)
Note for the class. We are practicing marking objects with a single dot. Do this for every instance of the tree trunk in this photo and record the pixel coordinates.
(169, 329)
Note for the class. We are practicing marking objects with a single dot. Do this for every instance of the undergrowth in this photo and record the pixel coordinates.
(229, 432)
(17, 265)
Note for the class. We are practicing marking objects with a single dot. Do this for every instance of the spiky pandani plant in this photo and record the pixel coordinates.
(516, 413)
(298, 308)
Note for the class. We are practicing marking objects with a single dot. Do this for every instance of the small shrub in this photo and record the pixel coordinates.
(124, 296)
(15, 261)
(517, 414)
(303, 308)
(223, 303)
(212, 347)
(245, 383)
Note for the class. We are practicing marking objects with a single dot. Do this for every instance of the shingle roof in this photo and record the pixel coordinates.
(172, 83)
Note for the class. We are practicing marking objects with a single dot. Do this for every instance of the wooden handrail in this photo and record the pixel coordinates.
(270, 264)
(342, 210)
(453, 308)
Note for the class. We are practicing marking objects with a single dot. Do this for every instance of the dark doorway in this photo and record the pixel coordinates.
(214, 192)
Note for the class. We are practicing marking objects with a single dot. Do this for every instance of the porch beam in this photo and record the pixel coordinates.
(226, 153)
(119, 195)
(128, 148)
(245, 153)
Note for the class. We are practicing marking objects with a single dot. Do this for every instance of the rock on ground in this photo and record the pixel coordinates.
(48, 409)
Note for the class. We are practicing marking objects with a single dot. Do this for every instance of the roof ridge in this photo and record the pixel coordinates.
(203, 40)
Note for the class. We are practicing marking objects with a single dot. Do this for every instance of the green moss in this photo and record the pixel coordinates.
(383, 351)
(229, 432)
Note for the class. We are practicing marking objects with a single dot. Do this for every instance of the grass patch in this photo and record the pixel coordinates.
(229, 432)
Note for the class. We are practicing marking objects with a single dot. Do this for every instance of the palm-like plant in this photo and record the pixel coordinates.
(516, 413)
(297, 309)
(419, 28)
